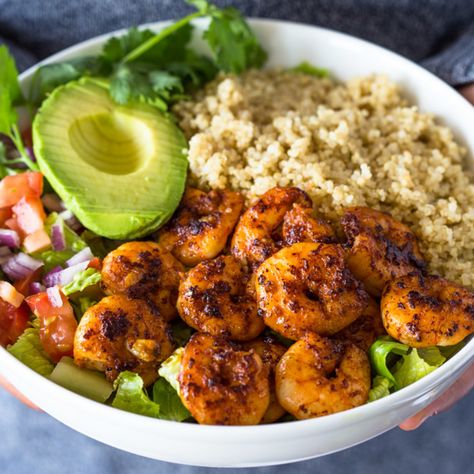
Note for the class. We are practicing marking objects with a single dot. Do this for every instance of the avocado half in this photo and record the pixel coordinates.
(121, 169)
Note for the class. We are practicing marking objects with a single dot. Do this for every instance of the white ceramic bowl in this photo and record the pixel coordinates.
(346, 57)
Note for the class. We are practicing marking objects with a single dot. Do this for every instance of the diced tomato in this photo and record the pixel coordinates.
(57, 325)
(29, 214)
(95, 263)
(13, 321)
(23, 285)
(14, 187)
(38, 240)
(12, 224)
(5, 214)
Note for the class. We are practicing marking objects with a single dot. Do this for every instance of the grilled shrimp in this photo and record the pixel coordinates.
(220, 384)
(201, 225)
(423, 311)
(366, 328)
(307, 287)
(213, 298)
(299, 225)
(118, 334)
(143, 270)
(254, 237)
(270, 351)
(382, 248)
(318, 376)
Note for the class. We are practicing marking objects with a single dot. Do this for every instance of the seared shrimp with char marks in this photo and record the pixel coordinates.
(270, 351)
(382, 248)
(221, 384)
(213, 298)
(144, 270)
(255, 236)
(202, 224)
(318, 376)
(366, 328)
(307, 287)
(119, 334)
(299, 225)
(423, 311)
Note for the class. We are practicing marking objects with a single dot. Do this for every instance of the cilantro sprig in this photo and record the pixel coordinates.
(10, 98)
(161, 68)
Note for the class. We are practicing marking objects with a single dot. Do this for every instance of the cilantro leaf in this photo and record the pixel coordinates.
(233, 43)
(9, 76)
(306, 68)
(50, 76)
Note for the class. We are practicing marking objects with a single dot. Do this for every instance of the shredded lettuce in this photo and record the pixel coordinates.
(132, 397)
(380, 388)
(88, 277)
(170, 368)
(29, 350)
(171, 406)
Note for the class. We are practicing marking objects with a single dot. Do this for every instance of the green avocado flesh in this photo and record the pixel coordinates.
(121, 169)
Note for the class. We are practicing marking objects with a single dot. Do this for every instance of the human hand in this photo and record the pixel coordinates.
(465, 383)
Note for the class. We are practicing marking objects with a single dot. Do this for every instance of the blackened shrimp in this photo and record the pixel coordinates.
(381, 248)
(213, 298)
(221, 384)
(307, 287)
(202, 224)
(318, 376)
(270, 351)
(144, 270)
(118, 334)
(366, 328)
(300, 225)
(424, 311)
(254, 238)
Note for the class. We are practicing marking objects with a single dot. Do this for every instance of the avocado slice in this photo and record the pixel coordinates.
(121, 169)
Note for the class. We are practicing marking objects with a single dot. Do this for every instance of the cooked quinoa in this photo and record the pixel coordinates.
(356, 143)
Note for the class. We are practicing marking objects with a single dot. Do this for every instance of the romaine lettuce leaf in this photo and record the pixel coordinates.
(29, 350)
(380, 351)
(380, 388)
(88, 277)
(170, 368)
(171, 406)
(132, 397)
(416, 364)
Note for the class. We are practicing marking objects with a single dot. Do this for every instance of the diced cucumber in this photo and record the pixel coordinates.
(89, 383)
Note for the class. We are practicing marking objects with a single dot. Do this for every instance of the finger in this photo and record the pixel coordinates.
(458, 390)
(11, 389)
(468, 92)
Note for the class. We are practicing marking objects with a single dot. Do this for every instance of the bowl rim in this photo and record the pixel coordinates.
(457, 363)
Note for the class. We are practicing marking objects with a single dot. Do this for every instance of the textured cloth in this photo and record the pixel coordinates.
(437, 33)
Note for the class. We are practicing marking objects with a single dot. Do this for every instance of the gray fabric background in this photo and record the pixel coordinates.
(438, 33)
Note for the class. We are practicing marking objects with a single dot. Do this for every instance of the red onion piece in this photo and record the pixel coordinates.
(68, 274)
(10, 238)
(5, 254)
(84, 255)
(36, 287)
(54, 296)
(52, 202)
(58, 240)
(52, 277)
(20, 266)
(71, 220)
